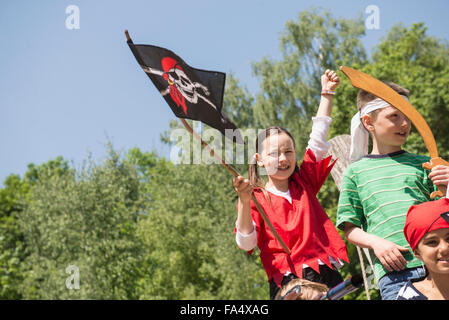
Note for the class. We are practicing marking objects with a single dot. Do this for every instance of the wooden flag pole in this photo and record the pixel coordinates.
(127, 35)
(208, 148)
(236, 174)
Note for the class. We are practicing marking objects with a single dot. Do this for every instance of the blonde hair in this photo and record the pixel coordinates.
(305, 285)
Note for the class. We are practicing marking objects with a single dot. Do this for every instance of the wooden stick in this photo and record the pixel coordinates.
(127, 35)
(208, 148)
(236, 174)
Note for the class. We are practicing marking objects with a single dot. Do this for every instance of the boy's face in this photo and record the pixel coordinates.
(390, 128)
(433, 250)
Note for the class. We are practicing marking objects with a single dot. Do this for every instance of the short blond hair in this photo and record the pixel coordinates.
(363, 97)
(305, 285)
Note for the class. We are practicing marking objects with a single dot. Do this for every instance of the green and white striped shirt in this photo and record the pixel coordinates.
(377, 192)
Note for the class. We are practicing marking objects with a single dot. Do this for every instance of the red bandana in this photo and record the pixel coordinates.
(425, 217)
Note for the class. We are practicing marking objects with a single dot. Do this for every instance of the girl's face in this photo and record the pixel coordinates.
(278, 156)
(433, 250)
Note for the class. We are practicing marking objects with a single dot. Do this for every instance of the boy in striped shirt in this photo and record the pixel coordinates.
(378, 189)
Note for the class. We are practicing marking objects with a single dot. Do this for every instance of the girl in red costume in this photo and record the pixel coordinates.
(289, 200)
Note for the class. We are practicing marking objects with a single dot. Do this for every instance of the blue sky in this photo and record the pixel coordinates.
(67, 91)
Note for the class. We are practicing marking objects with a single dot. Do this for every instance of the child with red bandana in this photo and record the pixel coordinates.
(427, 231)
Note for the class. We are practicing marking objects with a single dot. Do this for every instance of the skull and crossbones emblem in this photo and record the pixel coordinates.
(180, 87)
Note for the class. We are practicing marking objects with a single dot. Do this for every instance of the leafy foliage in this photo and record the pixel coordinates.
(187, 235)
(87, 220)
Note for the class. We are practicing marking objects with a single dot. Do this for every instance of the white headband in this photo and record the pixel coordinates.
(359, 135)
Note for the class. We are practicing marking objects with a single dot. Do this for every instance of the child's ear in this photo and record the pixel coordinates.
(258, 160)
(368, 122)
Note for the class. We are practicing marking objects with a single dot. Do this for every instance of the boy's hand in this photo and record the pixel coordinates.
(439, 175)
(389, 254)
(329, 80)
(243, 188)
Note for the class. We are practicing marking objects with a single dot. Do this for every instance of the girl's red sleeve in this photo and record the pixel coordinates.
(315, 173)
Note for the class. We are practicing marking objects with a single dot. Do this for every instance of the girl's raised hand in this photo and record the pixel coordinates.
(243, 188)
(329, 80)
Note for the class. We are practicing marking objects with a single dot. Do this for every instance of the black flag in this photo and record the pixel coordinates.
(191, 93)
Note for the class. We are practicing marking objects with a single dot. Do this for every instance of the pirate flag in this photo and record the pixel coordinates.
(191, 93)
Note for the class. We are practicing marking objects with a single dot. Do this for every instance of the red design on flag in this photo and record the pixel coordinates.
(171, 71)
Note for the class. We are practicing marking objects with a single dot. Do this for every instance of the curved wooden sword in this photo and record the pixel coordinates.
(367, 83)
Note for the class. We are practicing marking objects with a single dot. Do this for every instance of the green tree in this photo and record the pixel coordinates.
(12, 244)
(187, 235)
(86, 219)
(13, 200)
(291, 87)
